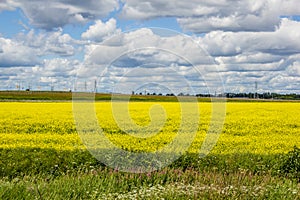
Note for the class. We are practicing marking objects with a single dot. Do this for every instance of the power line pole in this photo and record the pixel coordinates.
(256, 86)
(52, 86)
(95, 86)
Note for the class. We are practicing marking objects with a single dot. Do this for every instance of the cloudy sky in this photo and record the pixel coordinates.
(158, 46)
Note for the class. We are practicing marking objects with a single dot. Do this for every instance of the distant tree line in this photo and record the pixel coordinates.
(266, 95)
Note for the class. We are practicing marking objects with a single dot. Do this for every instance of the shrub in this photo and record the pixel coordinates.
(291, 164)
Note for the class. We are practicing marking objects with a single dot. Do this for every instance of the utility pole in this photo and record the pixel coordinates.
(95, 86)
(85, 86)
(256, 86)
(29, 86)
(52, 86)
(74, 86)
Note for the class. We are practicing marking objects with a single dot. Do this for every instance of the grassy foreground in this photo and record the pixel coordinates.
(76, 175)
(42, 156)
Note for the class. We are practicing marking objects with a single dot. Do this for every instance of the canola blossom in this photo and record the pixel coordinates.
(258, 128)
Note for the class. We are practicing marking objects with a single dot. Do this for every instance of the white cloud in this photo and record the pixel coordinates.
(294, 69)
(49, 43)
(244, 57)
(143, 45)
(59, 67)
(159, 56)
(27, 49)
(197, 15)
(229, 23)
(6, 5)
(201, 16)
(280, 42)
(16, 54)
(101, 31)
(135, 9)
(142, 56)
(51, 14)
(250, 58)
(57, 72)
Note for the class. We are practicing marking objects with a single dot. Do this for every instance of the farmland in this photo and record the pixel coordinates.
(43, 156)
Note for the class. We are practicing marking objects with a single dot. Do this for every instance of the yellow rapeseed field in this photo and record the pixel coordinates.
(258, 128)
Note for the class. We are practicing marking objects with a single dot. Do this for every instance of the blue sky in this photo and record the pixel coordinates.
(212, 46)
(9, 24)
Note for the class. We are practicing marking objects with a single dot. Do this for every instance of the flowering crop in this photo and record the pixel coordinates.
(258, 128)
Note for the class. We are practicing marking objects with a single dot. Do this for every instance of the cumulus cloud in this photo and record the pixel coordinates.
(58, 67)
(294, 69)
(27, 49)
(134, 9)
(101, 31)
(270, 58)
(145, 46)
(201, 16)
(55, 42)
(51, 14)
(229, 23)
(16, 54)
(6, 5)
(58, 73)
(283, 41)
(242, 57)
(142, 56)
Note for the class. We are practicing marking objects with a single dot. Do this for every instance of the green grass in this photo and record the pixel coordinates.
(49, 174)
(114, 185)
(67, 96)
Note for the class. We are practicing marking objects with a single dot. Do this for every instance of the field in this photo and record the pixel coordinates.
(43, 156)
